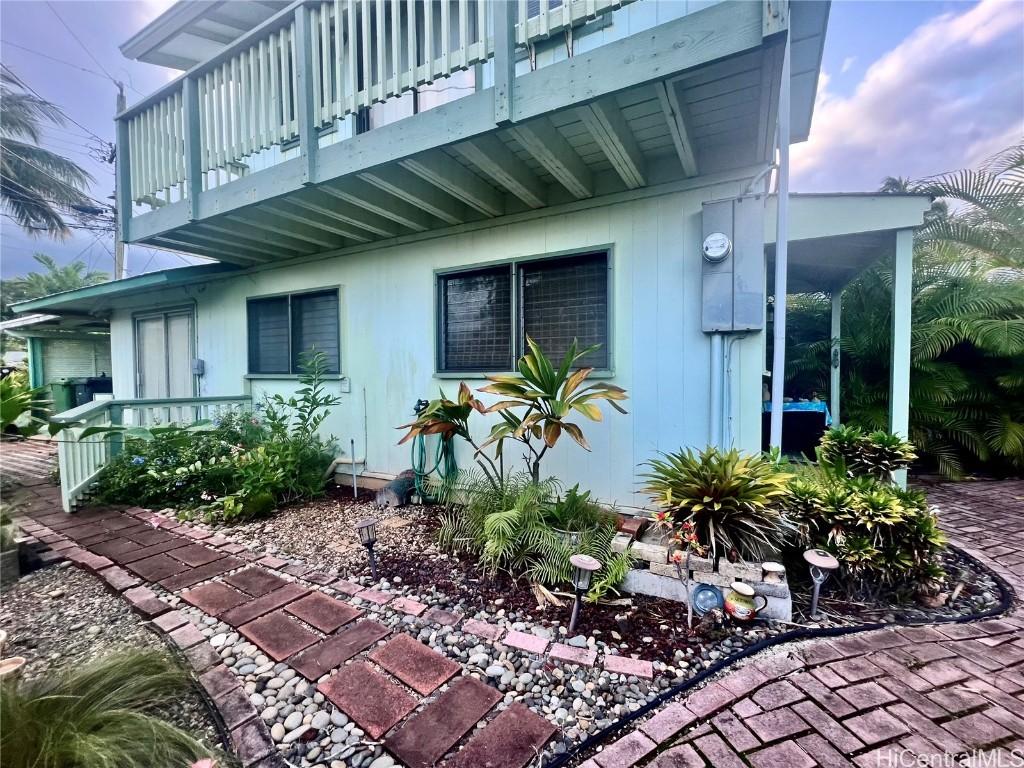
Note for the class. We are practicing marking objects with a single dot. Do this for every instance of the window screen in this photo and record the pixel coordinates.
(565, 299)
(281, 328)
(315, 326)
(476, 320)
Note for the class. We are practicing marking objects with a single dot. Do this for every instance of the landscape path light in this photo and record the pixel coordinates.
(821, 564)
(367, 529)
(583, 568)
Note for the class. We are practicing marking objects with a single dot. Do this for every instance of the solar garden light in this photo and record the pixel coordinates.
(583, 568)
(367, 529)
(821, 564)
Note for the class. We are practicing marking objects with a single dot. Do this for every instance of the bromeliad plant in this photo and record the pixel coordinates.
(18, 401)
(548, 397)
(730, 503)
(878, 454)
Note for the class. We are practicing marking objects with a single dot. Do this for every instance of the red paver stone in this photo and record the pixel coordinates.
(157, 567)
(718, 752)
(202, 657)
(145, 601)
(234, 707)
(735, 733)
(347, 587)
(255, 581)
(141, 553)
(428, 735)
(319, 577)
(278, 635)
(777, 695)
(775, 725)
(323, 612)
(369, 698)
(406, 605)
(708, 699)
(512, 740)
(115, 547)
(482, 629)
(245, 613)
(186, 636)
(414, 663)
(95, 562)
(440, 616)
(195, 554)
(375, 596)
(626, 665)
(977, 730)
(232, 548)
(252, 742)
(683, 756)
(218, 681)
(171, 620)
(875, 727)
(119, 578)
(272, 562)
(573, 655)
(625, 752)
(198, 534)
(866, 695)
(214, 598)
(856, 669)
(668, 722)
(828, 727)
(316, 661)
(525, 641)
(200, 573)
(785, 755)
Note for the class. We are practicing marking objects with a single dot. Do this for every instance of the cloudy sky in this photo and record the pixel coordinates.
(907, 88)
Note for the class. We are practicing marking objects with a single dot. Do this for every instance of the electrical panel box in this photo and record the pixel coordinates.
(732, 265)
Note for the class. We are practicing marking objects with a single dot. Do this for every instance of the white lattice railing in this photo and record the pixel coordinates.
(361, 52)
(81, 459)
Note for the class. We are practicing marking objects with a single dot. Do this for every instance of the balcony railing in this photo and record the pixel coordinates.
(313, 64)
(80, 460)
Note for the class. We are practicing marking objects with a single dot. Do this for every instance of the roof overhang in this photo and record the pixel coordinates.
(56, 326)
(192, 31)
(835, 237)
(98, 298)
(808, 23)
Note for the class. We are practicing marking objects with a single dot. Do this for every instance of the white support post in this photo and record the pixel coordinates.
(122, 185)
(781, 259)
(193, 146)
(835, 381)
(504, 60)
(305, 103)
(899, 370)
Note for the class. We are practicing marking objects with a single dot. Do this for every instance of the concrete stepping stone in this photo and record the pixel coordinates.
(195, 554)
(278, 635)
(157, 567)
(315, 662)
(255, 581)
(271, 601)
(214, 598)
(201, 573)
(512, 740)
(369, 698)
(415, 664)
(424, 740)
(323, 612)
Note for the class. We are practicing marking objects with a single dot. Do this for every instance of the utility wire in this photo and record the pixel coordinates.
(65, 63)
(21, 81)
(81, 44)
(55, 178)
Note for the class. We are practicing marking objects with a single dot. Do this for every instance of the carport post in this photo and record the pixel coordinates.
(899, 370)
(834, 355)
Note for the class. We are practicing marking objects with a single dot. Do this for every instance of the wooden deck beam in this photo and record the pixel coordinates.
(407, 186)
(490, 155)
(449, 175)
(604, 120)
(549, 148)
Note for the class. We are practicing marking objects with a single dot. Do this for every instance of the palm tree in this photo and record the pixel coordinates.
(55, 279)
(35, 184)
(989, 218)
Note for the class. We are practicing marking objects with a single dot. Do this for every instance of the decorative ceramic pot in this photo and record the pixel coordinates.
(741, 602)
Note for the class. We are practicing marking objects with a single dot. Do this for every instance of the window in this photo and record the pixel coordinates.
(282, 328)
(480, 327)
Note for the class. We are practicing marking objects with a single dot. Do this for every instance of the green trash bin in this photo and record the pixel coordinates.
(62, 392)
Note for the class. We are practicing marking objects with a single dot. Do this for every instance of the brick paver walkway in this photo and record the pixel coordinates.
(877, 699)
(860, 699)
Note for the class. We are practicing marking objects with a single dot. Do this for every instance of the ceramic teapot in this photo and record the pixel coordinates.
(741, 602)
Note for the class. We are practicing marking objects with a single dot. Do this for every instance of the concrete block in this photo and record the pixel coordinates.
(649, 583)
(621, 542)
(740, 571)
(769, 589)
(652, 553)
(665, 569)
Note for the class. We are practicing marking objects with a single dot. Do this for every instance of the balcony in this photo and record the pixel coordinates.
(265, 151)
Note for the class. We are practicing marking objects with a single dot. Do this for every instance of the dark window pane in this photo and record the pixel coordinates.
(476, 320)
(315, 326)
(564, 299)
(268, 335)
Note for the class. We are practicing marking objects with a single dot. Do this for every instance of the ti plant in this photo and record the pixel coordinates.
(549, 396)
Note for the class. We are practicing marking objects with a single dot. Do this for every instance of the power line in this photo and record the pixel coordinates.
(65, 63)
(55, 178)
(81, 44)
(20, 81)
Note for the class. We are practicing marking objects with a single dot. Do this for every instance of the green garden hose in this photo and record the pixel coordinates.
(444, 463)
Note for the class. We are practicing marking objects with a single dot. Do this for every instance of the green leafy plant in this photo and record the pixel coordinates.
(18, 401)
(98, 716)
(549, 397)
(733, 502)
(884, 537)
(513, 528)
(878, 454)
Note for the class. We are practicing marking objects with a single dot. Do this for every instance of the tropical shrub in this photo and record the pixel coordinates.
(547, 396)
(239, 467)
(884, 537)
(877, 454)
(526, 529)
(733, 502)
(98, 716)
(18, 401)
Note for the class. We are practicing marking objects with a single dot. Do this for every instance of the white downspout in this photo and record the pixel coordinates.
(717, 387)
(781, 258)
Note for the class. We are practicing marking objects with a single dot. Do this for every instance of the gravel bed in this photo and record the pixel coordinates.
(60, 617)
